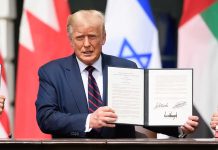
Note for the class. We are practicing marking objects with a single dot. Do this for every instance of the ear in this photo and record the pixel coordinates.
(103, 38)
(71, 43)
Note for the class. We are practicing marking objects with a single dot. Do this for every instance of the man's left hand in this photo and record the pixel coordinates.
(191, 125)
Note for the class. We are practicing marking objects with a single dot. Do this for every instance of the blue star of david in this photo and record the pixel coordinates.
(137, 57)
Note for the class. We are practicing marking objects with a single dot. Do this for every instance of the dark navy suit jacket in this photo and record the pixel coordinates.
(61, 103)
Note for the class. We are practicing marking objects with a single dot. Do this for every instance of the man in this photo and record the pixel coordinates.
(2, 101)
(65, 106)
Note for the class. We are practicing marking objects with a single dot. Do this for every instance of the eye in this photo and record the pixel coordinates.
(79, 38)
(92, 37)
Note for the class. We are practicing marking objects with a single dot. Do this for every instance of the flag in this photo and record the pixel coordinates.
(5, 131)
(198, 49)
(43, 37)
(4, 117)
(131, 32)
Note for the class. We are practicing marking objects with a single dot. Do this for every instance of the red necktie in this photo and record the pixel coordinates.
(94, 97)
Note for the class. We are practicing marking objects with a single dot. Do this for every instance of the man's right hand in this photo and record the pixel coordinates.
(103, 117)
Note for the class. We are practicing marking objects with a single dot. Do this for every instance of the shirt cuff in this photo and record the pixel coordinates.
(87, 129)
(181, 133)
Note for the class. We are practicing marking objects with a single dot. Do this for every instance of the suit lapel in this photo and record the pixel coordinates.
(104, 71)
(74, 78)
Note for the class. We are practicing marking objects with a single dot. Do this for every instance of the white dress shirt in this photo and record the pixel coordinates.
(97, 74)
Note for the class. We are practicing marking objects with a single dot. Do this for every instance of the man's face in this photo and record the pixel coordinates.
(87, 40)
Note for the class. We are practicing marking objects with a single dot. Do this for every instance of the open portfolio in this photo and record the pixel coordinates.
(150, 97)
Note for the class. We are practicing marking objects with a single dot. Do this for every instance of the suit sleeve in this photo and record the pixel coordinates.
(49, 117)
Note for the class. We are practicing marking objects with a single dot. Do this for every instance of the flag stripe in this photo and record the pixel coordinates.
(4, 119)
(193, 7)
(3, 75)
(210, 16)
(146, 7)
(5, 122)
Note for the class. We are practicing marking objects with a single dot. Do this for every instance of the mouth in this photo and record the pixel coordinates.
(87, 53)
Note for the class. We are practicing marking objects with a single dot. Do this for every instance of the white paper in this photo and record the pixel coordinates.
(170, 96)
(126, 94)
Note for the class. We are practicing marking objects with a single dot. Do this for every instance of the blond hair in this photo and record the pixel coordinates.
(84, 13)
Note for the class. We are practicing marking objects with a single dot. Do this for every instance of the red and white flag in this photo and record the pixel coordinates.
(43, 37)
(4, 119)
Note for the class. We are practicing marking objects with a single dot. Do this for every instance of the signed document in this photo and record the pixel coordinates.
(154, 97)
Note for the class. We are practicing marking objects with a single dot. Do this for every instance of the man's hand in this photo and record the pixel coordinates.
(2, 101)
(191, 125)
(214, 120)
(103, 117)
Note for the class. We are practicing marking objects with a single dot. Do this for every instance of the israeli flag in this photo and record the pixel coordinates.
(131, 32)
